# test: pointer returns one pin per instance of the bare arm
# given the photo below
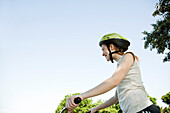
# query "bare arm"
(107, 85)
(113, 81)
(108, 103)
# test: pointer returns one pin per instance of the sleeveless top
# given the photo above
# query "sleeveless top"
(131, 92)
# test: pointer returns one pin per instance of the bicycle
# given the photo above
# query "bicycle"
(76, 101)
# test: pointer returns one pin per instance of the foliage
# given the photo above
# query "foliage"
(166, 98)
(153, 100)
(159, 38)
(162, 8)
(87, 104)
(165, 110)
(82, 108)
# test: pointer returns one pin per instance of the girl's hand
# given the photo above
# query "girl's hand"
(93, 110)
(70, 105)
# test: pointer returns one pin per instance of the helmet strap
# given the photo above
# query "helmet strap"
(110, 53)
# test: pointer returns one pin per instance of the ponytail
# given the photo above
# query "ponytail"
(137, 58)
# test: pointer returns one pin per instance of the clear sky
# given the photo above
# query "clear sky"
(49, 48)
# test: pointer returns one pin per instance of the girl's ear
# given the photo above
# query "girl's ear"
(112, 47)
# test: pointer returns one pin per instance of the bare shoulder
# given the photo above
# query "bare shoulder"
(129, 58)
(129, 55)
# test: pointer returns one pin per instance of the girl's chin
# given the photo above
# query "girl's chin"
(108, 60)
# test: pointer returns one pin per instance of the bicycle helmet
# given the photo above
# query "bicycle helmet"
(117, 40)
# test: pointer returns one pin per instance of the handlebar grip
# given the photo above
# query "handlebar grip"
(77, 100)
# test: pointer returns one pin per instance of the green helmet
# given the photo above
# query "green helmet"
(116, 39)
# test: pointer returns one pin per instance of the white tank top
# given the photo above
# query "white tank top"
(131, 92)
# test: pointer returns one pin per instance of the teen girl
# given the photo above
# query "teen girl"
(130, 91)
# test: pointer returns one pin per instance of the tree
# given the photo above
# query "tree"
(159, 38)
(83, 106)
(166, 98)
(87, 104)
(153, 100)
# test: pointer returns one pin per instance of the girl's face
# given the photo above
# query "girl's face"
(105, 52)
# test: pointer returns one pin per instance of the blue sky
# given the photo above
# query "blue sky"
(50, 49)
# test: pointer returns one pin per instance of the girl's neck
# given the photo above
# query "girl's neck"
(117, 57)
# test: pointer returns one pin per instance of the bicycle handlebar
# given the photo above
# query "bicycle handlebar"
(76, 101)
